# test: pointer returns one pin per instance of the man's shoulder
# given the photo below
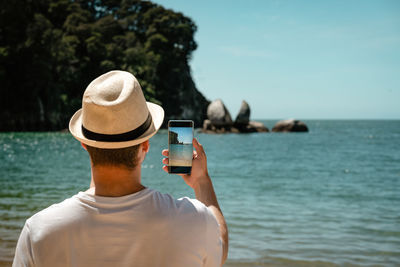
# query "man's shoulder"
(180, 204)
(52, 215)
(184, 209)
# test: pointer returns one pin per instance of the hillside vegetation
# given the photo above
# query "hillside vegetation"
(50, 50)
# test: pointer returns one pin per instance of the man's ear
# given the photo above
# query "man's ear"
(146, 146)
(84, 146)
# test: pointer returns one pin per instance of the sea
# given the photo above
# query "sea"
(180, 154)
(329, 197)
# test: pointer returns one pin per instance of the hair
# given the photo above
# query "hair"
(126, 157)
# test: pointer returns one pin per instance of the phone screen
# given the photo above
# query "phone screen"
(180, 136)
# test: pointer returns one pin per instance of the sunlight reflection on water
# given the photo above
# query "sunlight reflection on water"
(324, 198)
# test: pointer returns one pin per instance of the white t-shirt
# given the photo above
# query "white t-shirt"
(147, 228)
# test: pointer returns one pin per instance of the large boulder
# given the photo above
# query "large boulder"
(290, 125)
(243, 116)
(218, 114)
(220, 121)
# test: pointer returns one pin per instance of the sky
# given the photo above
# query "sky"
(185, 134)
(298, 59)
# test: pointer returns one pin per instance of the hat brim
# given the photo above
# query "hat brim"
(157, 114)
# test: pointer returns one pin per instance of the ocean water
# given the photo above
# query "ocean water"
(330, 197)
(180, 154)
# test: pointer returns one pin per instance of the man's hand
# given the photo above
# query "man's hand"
(201, 183)
(199, 173)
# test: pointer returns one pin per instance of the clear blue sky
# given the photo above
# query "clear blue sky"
(185, 134)
(298, 59)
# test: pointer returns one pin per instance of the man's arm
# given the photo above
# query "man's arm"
(203, 188)
(205, 193)
(23, 252)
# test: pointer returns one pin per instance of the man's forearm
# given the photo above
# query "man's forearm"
(204, 192)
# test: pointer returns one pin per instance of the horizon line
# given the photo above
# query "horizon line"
(353, 119)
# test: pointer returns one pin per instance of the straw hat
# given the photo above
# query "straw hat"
(115, 114)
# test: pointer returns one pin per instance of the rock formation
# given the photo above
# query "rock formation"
(218, 114)
(243, 116)
(290, 125)
(173, 138)
(220, 121)
(255, 127)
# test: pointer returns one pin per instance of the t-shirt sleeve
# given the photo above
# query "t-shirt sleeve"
(214, 241)
(23, 252)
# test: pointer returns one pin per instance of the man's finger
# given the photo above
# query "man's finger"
(165, 152)
(165, 161)
(165, 168)
(198, 146)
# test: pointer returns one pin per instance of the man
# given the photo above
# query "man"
(118, 221)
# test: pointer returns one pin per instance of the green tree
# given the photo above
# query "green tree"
(50, 50)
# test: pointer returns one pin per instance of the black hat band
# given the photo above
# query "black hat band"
(128, 136)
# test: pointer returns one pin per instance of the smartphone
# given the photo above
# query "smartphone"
(180, 147)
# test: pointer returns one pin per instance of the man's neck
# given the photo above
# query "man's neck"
(115, 181)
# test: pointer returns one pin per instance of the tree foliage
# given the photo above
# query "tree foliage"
(50, 50)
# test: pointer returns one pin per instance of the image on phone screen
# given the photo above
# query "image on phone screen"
(180, 136)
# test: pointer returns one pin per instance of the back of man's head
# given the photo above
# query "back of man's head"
(122, 157)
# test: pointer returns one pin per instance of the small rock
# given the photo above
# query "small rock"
(253, 127)
(290, 125)
(218, 114)
(243, 116)
(207, 125)
(235, 130)
(256, 126)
